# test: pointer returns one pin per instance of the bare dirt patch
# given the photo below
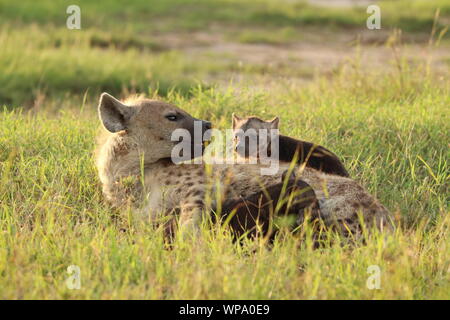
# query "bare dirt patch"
(315, 52)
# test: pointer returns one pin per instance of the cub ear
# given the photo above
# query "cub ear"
(275, 123)
(236, 119)
(113, 113)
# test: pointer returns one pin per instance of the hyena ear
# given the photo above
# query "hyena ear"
(275, 123)
(113, 113)
(236, 119)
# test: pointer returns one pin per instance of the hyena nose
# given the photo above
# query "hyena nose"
(207, 125)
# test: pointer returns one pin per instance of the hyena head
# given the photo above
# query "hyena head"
(147, 125)
(252, 134)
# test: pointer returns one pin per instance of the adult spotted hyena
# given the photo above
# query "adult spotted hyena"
(342, 201)
(134, 163)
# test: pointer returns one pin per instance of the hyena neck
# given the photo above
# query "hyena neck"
(118, 159)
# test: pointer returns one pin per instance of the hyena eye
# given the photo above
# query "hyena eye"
(171, 117)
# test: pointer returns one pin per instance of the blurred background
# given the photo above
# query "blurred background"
(175, 45)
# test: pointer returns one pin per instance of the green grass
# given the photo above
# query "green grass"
(390, 126)
(55, 61)
(53, 214)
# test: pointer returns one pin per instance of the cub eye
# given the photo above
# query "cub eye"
(172, 117)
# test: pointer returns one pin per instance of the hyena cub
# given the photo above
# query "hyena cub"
(312, 155)
(342, 201)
